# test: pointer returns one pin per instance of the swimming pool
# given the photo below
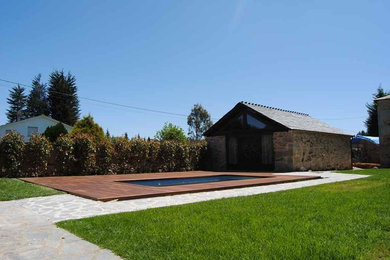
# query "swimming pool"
(190, 180)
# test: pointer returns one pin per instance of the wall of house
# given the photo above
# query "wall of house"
(384, 131)
(320, 151)
(283, 151)
(302, 151)
(21, 127)
(216, 148)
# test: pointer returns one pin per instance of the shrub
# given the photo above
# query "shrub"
(104, 156)
(138, 155)
(88, 126)
(121, 155)
(153, 161)
(64, 156)
(55, 131)
(11, 154)
(36, 156)
(84, 151)
(167, 156)
(171, 132)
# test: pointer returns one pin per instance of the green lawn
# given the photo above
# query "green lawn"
(13, 189)
(348, 220)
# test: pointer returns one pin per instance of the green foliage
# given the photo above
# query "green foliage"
(37, 103)
(372, 120)
(171, 132)
(62, 97)
(55, 131)
(84, 151)
(104, 156)
(36, 156)
(81, 154)
(343, 220)
(64, 156)
(17, 102)
(11, 154)
(199, 121)
(88, 126)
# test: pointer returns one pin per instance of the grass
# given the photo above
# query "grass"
(13, 189)
(346, 220)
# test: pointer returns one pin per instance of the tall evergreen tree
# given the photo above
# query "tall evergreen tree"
(37, 103)
(199, 121)
(62, 97)
(372, 120)
(17, 102)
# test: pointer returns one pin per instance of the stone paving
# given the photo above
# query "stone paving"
(27, 229)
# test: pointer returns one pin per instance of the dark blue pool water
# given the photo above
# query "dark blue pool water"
(183, 181)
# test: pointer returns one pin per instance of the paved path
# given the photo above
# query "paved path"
(27, 230)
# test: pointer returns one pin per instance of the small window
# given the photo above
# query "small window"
(255, 123)
(32, 130)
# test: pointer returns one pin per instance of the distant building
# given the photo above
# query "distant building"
(31, 126)
(258, 138)
(383, 105)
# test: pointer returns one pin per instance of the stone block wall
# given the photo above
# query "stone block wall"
(216, 147)
(283, 151)
(384, 131)
(302, 151)
(320, 151)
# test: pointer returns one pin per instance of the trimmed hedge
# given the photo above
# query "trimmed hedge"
(82, 155)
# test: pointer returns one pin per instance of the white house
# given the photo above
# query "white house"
(31, 126)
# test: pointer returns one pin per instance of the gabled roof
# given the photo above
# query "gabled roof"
(383, 98)
(36, 117)
(290, 119)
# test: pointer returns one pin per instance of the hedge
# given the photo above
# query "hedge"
(83, 155)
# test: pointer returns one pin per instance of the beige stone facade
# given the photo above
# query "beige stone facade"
(295, 151)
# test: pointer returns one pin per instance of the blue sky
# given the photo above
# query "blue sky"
(325, 58)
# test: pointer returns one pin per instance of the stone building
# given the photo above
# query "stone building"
(383, 105)
(258, 138)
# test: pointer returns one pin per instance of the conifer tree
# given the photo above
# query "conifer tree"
(372, 120)
(37, 103)
(17, 102)
(62, 97)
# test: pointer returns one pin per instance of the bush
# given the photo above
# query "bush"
(55, 131)
(138, 155)
(88, 126)
(104, 156)
(84, 151)
(11, 154)
(64, 156)
(36, 156)
(171, 132)
(121, 155)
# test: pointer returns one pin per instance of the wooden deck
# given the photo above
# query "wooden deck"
(112, 187)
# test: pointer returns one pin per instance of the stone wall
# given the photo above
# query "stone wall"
(283, 151)
(384, 131)
(320, 151)
(216, 147)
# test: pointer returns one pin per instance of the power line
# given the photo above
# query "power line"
(104, 102)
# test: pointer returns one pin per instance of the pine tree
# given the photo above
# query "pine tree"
(62, 97)
(372, 120)
(37, 103)
(17, 103)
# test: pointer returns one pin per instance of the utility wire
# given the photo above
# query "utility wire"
(141, 108)
(104, 102)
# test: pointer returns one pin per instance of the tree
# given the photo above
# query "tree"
(88, 126)
(372, 120)
(55, 131)
(362, 132)
(37, 103)
(108, 135)
(199, 121)
(17, 103)
(62, 97)
(171, 132)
